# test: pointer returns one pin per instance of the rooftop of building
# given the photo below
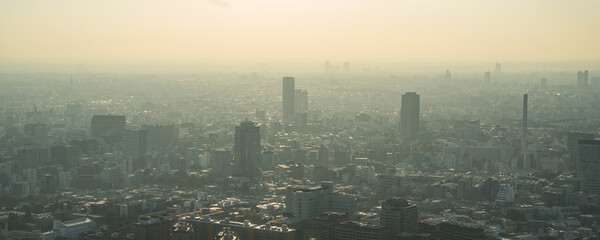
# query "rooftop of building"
(76, 222)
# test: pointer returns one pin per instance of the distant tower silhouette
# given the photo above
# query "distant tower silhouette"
(409, 115)
(448, 75)
(582, 80)
(289, 99)
(524, 138)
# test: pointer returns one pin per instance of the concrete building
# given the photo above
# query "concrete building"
(399, 216)
(588, 167)
(162, 135)
(69, 229)
(573, 139)
(136, 143)
(108, 127)
(208, 228)
(308, 202)
(355, 230)
(289, 99)
(409, 115)
(155, 226)
(247, 149)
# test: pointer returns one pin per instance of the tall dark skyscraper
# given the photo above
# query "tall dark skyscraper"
(488, 77)
(289, 99)
(247, 149)
(498, 68)
(409, 115)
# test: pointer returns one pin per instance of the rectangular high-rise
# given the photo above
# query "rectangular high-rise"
(247, 149)
(488, 77)
(109, 127)
(409, 115)
(573, 139)
(398, 216)
(289, 99)
(588, 166)
(136, 143)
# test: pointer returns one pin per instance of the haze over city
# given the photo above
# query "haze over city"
(289, 119)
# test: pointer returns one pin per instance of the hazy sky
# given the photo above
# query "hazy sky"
(405, 30)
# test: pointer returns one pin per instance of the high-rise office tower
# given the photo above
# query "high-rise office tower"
(398, 216)
(31, 156)
(498, 68)
(524, 136)
(409, 115)
(488, 77)
(136, 143)
(289, 99)
(109, 127)
(247, 149)
(588, 167)
(582, 79)
(573, 139)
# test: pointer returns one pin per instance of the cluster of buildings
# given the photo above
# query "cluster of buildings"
(260, 159)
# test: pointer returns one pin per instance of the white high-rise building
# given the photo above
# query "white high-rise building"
(308, 202)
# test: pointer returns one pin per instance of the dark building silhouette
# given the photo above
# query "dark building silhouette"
(156, 226)
(247, 149)
(289, 99)
(399, 216)
(162, 136)
(135, 143)
(355, 230)
(573, 139)
(108, 127)
(588, 166)
(526, 161)
(409, 115)
(219, 159)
